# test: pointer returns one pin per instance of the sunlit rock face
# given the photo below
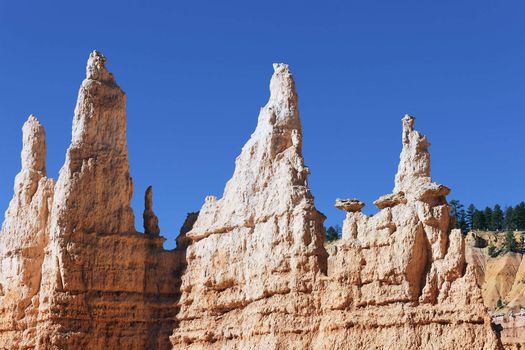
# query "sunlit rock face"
(250, 271)
(23, 239)
(259, 278)
(74, 272)
(257, 253)
(398, 279)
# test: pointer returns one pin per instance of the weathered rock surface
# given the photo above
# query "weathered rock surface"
(151, 222)
(257, 253)
(25, 234)
(250, 271)
(75, 274)
(257, 280)
(349, 205)
(502, 282)
(398, 279)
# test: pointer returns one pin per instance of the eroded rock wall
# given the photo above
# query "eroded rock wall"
(25, 234)
(75, 274)
(251, 270)
(399, 279)
(258, 276)
(257, 253)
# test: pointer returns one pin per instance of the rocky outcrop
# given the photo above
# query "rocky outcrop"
(257, 253)
(23, 239)
(75, 273)
(250, 270)
(398, 279)
(258, 277)
(512, 327)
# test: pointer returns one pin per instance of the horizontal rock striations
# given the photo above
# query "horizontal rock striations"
(250, 270)
(398, 279)
(258, 277)
(75, 274)
(257, 253)
(24, 237)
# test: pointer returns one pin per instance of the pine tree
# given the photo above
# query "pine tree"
(478, 220)
(497, 218)
(510, 242)
(469, 216)
(455, 208)
(510, 222)
(462, 223)
(519, 216)
(488, 218)
(331, 234)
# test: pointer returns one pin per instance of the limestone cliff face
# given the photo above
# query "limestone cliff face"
(23, 240)
(257, 253)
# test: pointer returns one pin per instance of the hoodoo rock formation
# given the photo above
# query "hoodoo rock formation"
(258, 276)
(250, 271)
(75, 274)
(25, 235)
(257, 254)
(398, 279)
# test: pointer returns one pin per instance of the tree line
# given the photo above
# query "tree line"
(489, 219)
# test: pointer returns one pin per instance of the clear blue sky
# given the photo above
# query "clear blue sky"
(197, 72)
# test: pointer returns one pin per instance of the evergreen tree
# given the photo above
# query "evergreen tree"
(478, 220)
(331, 234)
(519, 216)
(469, 216)
(510, 242)
(488, 218)
(462, 223)
(497, 218)
(510, 222)
(455, 208)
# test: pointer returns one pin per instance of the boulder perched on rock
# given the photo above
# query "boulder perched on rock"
(349, 205)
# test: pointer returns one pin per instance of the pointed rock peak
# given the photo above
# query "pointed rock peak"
(413, 175)
(283, 96)
(96, 175)
(148, 198)
(408, 126)
(34, 145)
(151, 222)
(96, 68)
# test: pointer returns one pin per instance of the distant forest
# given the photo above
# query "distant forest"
(488, 219)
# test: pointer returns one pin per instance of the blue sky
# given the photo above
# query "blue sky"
(197, 72)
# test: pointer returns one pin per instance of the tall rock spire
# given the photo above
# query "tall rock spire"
(262, 239)
(114, 282)
(23, 239)
(151, 222)
(94, 189)
(270, 177)
(34, 146)
(413, 175)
